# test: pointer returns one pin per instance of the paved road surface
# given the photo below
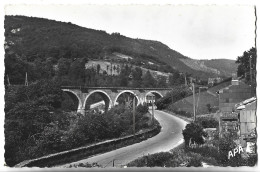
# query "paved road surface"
(169, 137)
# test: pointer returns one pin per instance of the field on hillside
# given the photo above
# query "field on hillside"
(106, 66)
(206, 97)
(198, 65)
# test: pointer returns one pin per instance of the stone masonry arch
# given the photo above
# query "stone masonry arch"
(104, 95)
(157, 94)
(127, 91)
(71, 93)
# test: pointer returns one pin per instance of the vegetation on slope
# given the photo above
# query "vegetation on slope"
(36, 44)
(225, 66)
(36, 125)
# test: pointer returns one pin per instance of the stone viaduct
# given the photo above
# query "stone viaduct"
(110, 94)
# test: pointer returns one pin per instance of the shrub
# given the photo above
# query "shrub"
(209, 107)
(206, 151)
(155, 160)
(158, 159)
(142, 108)
(207, 122)
(194, 162)
(193, 132)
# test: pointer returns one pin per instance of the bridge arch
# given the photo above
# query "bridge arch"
(74, 96)
(126, 91)
(157, 95)
(104, 95)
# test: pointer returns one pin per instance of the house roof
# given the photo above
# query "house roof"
(242, 105)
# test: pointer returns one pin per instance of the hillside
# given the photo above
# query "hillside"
(206, 97)
(225, 66)
(32, 38)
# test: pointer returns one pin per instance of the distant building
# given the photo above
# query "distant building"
(212, 81)
(150, 98)
(158, 75)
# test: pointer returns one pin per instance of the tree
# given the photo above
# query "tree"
(244, 64)
(107, 68)
(176, 79)
(114, 68)
(111, 69)
(98, 68)
(77, 70)
(137, 77)
(162, 82)
(63, 66)
(193, 133)
(28, 110)
(124, 76)
(149, 81)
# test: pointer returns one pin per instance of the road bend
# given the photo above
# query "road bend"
(169, 137)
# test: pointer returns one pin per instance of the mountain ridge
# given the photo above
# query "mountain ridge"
(40, 38)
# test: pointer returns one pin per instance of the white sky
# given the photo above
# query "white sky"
(199, 32)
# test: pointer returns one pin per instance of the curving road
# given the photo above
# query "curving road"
(169, 137)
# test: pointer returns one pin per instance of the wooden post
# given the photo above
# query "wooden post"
(134, 116)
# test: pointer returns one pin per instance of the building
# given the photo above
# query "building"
(212, 81)
(247, 124)
(228, 98)
(237, 114)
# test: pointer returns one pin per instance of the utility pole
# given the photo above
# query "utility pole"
(172, 95)
(26, 80)
(152, 111)
(8, 82)
(185, 79)
(194, 102)
(250, 69)
(198, 101)
(134, 116)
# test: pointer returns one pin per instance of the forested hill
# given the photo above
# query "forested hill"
(31, 38)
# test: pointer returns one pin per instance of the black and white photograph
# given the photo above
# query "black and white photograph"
(129, 85)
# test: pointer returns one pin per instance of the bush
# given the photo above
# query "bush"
(207, 122)
(193, 132)
(194, 162)
(142, 108)
(176, 158)
(155, 160)
(206, 151)
(158, 159)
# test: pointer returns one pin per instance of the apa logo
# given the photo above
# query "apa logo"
(236, 150)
